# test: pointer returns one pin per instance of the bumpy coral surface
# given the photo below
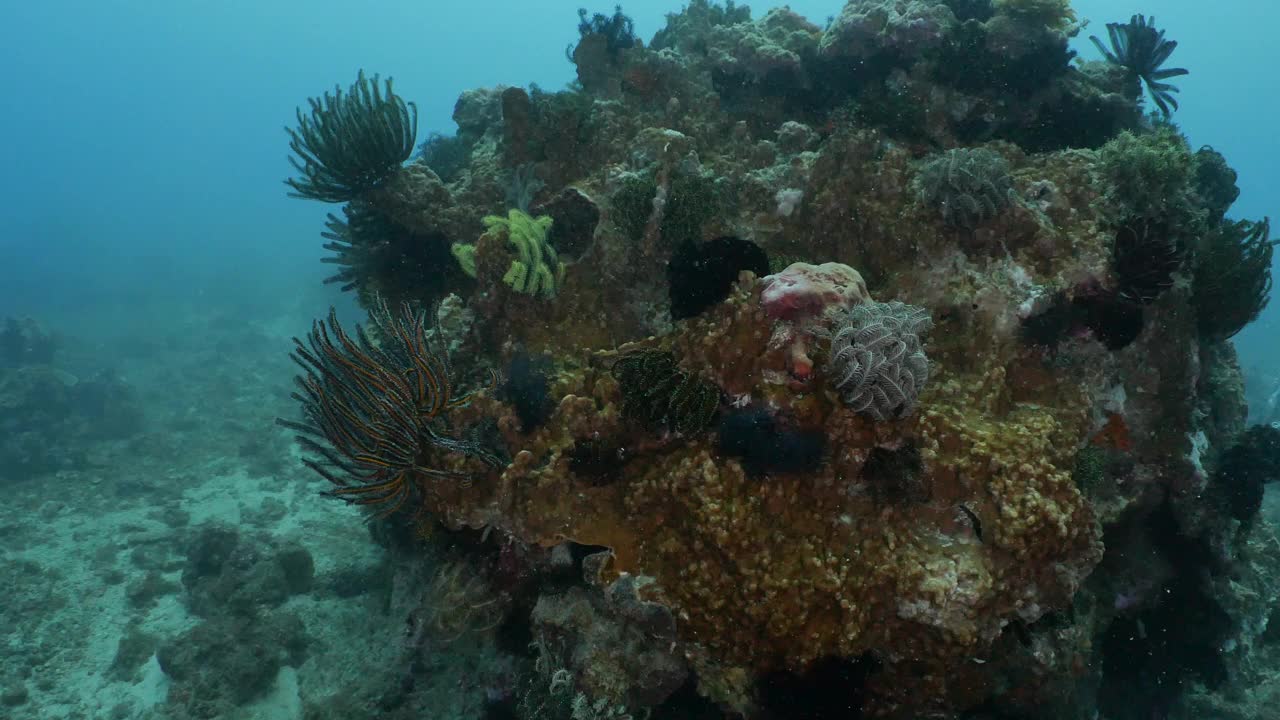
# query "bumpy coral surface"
(950, 549)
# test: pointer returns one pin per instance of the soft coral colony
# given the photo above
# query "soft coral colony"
(891, 352)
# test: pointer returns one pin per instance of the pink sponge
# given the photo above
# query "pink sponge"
(802, 298)
(803, 291)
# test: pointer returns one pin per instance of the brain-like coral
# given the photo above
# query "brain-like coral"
(868, 27)
(805, 292)
(877, 362)
(778, 41)
(967, 185)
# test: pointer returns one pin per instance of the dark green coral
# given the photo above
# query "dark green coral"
(657, 393)
(1214, 182)
(631, 205)
(692, 200)
(376, 256)
(1150, 173)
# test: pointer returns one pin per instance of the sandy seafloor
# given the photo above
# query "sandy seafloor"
(94, 556)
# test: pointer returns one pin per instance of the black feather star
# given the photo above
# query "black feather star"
(1140, 47)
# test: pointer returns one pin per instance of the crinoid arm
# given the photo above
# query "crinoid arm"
(371, 409)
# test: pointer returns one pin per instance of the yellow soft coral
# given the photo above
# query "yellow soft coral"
(536, 269)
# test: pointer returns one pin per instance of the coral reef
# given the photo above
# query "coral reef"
(446, 155)
(866, 28)
(966, 499)
(52, 420)
(24, 342)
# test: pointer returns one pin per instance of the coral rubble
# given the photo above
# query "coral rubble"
(939, 516)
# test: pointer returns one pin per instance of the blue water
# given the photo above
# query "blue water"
(144, 145)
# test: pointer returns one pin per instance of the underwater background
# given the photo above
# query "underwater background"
(164, 552)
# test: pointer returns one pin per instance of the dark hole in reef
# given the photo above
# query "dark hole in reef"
(500, 709)
(980, 10)
(832, 689)
(1113, 320)
(701, 275)
(1145, 256)
(598, 460)
(1239, 483)
(514, 635)
(686, 704)
(575, 217)
(528, 389)
(1147, 658)
(1271, 635)
(895, 475)
(765, 444)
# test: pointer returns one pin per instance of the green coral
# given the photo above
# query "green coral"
(688, 29)
(632, 204)
(1150, 173)
(352, 142)
(1090, 468)
(692, 200)
(657, 393)
(536, 269)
